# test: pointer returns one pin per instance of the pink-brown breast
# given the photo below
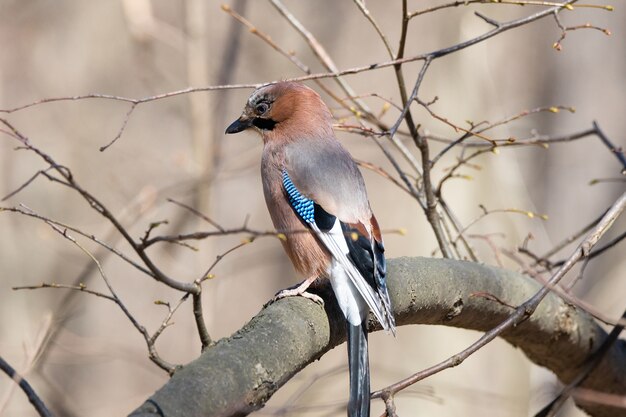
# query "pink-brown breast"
(305, 251)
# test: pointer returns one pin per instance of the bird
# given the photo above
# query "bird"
(311, 182)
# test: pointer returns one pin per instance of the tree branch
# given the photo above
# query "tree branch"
(34, 399)
(240, 373)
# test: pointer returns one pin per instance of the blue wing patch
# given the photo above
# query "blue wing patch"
(302, 205)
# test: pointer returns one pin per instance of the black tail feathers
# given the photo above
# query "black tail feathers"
(359, 403)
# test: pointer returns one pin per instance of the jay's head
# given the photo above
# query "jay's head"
(284, 110)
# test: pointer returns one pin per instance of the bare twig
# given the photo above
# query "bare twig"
(197, 213)
(384, 174)
(522, 312)
(488, 20)
(122, 128)
(492, 297)
(319, 51)
(142, 330)
(466, 137)
(510, 2)
(596, 252)
(24, 185)
(205, 338)
(224, 232)
(363, 8)
(543, 141)
(80, 288)
(431, 204)
(563, 292)
(30, 213)
(617, 152)
(68, 180)
(207, 274)
(558, 44)
(409, 100)
(135, 101)
(267, 39)
(456, 224)
(34, 399)
(487, 212)
(167, 320)
(555, 405)
(329, 64)
(494, 248)
(468, 133)
(390, 406)
(334, 72)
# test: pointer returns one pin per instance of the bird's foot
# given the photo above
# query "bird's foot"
(295, 292)
(300, 290)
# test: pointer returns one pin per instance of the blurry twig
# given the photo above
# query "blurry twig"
(363, 8)
(555, 405)
(456, 224)
(33, 351)
(34, 399)
(197, 213)
(598, 251)
(488, 238)
(486, 212)
(617, 152)
(592, 254)
(383, 173)
(143, 24)
(585, 395)
(267, 39)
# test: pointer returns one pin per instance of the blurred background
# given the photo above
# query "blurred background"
(81, 353)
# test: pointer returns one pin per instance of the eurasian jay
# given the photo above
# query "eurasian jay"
(311, 182)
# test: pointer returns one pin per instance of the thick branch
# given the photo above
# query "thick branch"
(240, 373)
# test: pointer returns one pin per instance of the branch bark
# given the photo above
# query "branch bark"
(240, 373)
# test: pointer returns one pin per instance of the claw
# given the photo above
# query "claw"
(300, 290)
(297, 292)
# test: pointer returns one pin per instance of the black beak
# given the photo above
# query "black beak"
(239, 125)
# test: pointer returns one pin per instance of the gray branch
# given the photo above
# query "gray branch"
(240, 373)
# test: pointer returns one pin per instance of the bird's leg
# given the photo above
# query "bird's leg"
(301, 290)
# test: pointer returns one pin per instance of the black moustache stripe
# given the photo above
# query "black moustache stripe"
(264, 124)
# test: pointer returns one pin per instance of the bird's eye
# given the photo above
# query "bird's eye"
(262, 107)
